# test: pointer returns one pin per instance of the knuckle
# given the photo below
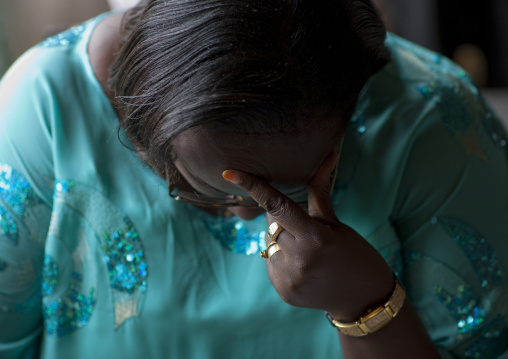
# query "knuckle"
(277, 206)
(293, 287)
(290, 301)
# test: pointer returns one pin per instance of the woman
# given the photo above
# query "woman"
(241, 107)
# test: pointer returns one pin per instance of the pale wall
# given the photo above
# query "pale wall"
(27, 22)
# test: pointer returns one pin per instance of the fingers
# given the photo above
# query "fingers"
(320, 200)
(282, 209)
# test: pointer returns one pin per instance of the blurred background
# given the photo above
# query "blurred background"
(473, 33)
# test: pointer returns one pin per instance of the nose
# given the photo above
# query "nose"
(245, 212)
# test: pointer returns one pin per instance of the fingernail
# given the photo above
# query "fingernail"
(231, 177)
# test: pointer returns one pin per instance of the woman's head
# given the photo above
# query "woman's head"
(238, 67)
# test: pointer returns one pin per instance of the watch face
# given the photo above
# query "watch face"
(377, 320)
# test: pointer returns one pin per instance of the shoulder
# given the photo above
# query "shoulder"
(48, 95)
(417, 91)
(419, 122)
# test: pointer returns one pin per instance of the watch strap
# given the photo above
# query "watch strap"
(374, 319)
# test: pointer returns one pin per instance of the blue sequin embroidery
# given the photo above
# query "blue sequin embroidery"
(243, 237)
(15, 190)
(30, 305)
(122, 247)
(481, 255)
(492, 342)
(8, 226)
(64, 185)
(358, 124)
(65, 38)
(71, 311)
(123, 255)
(49, 276)
(463, 305)
(453, 103)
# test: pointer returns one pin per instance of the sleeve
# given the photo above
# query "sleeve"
(25, 204)
(451, 215)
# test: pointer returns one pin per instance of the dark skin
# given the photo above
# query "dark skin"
(322, 263)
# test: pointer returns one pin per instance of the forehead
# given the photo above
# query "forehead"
(284, 161)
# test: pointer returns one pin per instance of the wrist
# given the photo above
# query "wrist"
(374, 318)
(366, 297)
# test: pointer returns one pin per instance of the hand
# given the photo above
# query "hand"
(323, 263)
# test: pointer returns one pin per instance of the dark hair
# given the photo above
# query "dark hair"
(246, 66)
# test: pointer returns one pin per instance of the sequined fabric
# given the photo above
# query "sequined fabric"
(66, 38)
(29, 306)
(49, 276)
(463, 305)
(453, 102)
(118, 244)
(196, 288)
(459, 106)
(123, 255)
(482, 256)
(359, 125)
(469, 311)
(71, 311)
(238, 236)
(15, 191)
(63, 185)
(8, 226)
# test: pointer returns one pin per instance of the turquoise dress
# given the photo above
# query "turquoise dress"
(96, 260)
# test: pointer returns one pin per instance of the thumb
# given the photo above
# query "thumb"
(320, 188)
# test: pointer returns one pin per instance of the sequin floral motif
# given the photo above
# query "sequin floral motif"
(464, 306)
(243, 237)
(8, 226)
(124, 257)
(482, 256)
(459, 106)
(484, 336)
(49, 276)
(70, 311)
(16, 192)
(118, 240)
(454, 101)
(65, 38)
(467, 308)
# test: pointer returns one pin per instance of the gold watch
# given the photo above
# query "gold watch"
(374, 319)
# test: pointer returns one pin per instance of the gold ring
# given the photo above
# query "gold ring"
(272, 248)
(274, 230)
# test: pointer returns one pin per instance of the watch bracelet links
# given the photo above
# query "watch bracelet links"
(374, 319)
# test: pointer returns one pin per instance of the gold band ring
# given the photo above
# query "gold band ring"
(274, 230)
(272, 248)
